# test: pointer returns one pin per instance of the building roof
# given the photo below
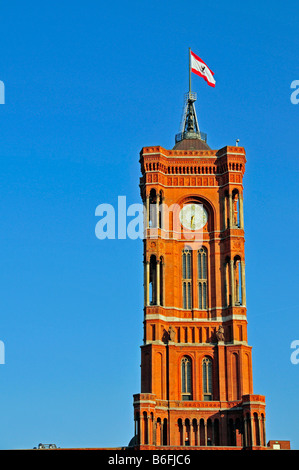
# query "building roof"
(191, 144)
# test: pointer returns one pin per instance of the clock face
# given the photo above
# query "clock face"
(193, 216)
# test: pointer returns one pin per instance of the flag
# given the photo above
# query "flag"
(200, 68)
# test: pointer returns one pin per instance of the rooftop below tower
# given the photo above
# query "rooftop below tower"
(191, 141)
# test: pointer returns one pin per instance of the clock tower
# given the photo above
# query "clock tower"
(196, 364)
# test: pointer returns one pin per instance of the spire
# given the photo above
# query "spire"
(190, 123)
(189, 131)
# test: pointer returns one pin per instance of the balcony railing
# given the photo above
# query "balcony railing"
(190, 135)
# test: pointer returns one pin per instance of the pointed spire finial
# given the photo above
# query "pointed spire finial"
(189, 124)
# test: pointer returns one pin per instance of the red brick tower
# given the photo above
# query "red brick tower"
(196, 369)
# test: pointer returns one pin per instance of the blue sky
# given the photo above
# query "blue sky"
(87, 85)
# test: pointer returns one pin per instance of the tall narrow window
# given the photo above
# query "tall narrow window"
(202, 278)
(227, 286)
(235, 377)
(207, 379)
(238, 281)
(236, 208)
(187, 279)
(160, 215)
(153, 281)
(186, 367)
(161, 281)
(153, 201)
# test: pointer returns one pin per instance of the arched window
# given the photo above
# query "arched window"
(235, 377)
(207, 379)
(161, 280)
(226, 211)
(155, 218)
(202, 278)
(237, 281)
(160, 215)
(186, 370)
(227, 283)
(187, 279)
(236, 208)
(153, 281)
(164, 433)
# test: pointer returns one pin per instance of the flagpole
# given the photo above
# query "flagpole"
(189, 70)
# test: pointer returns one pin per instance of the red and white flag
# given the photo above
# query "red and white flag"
(200, 68)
